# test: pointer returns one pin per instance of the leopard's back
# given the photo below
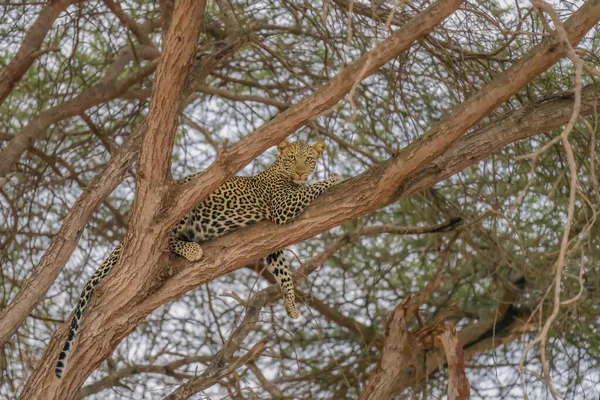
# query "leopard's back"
(238, 202)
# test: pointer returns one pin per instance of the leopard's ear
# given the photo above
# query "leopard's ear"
(283, 147)
(318, 148)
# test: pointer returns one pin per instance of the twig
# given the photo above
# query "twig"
(195, 385)
(561, 261)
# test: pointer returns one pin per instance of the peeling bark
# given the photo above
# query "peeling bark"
(458, 384)
(401, 350)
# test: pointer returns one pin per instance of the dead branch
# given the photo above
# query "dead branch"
(400, 351)
(458, 385)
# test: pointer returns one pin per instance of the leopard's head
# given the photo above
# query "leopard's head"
(298, 160)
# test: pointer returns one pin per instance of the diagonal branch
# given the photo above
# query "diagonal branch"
(29, 50)
(61, 248)
(438, 139)
(388, 181)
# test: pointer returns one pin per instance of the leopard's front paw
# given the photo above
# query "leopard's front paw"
(193, 252)
(189, 250)
(335, 179)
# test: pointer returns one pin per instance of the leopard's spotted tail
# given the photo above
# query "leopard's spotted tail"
(82, 306)
(62, 358)
(279, 267)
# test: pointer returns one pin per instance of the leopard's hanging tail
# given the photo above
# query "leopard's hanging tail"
(82, 306)
(279, 267)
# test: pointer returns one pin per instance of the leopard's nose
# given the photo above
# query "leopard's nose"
(300, 167)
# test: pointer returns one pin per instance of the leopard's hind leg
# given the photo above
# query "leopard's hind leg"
(279, 267)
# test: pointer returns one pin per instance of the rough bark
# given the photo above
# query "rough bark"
(458, 385)
(64, 242)
(373, 189)
(536, 118)
(184, 197)
(400, 350)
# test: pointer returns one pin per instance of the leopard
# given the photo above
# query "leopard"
(278, 194)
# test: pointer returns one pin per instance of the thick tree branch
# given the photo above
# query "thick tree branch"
(401, 349)
(480, 144)
(65, 240)
(153, 172)
(279, 128)
(380, 185)
(171, 74)
(438, 139)
(536, 118)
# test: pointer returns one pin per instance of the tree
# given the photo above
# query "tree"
(433, 110)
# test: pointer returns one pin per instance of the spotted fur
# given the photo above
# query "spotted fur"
(278, 194)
